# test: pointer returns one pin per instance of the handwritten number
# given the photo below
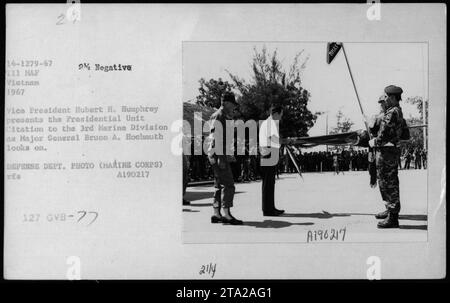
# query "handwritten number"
(345, 231)
(95, 218)
(326, 234)
(84, 214)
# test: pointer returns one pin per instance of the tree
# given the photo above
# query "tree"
(270, 84)
(419, 102)
(211, 92)
(343, 124)
(417, 134)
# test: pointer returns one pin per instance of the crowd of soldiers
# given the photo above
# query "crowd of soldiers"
(246, 167)
(417, 156)
(346, 160)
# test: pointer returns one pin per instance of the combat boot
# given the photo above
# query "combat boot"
(390, 222)
(382, 215)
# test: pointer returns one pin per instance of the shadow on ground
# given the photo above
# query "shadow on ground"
(327, 215)
(420, 227)
(413, 217)
(322, 215)
(187, 210)
(273, 224)
(201, 195)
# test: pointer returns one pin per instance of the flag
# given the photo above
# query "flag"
(333, 49)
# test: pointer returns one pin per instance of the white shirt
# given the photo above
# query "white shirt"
(269, 135)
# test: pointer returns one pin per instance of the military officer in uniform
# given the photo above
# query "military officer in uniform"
(217, 155)
(387, 151)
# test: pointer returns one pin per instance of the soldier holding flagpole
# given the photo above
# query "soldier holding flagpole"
(383, 145)
(387, 154)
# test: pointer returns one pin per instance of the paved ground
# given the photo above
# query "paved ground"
(319, 207)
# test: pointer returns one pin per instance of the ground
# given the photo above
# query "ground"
(318, 207)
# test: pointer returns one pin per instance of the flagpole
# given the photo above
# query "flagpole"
(356, 91)
(371, 154)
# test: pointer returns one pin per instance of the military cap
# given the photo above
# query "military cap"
(229, 97)
(393, 90)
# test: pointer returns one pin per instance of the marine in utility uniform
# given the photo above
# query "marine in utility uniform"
(219, 159)
(387, 154)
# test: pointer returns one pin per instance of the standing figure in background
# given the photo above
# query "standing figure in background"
(413, 158)
(359, 160)
(424, 158)
(336, 164)
(342, 161)
(418, 159)
(408, 157)
(245, 168)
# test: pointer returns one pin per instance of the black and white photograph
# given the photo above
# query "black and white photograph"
(225, 142)
(350, 139)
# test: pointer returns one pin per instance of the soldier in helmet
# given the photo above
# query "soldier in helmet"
(385, 143)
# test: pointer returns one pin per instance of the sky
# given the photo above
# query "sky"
(374, 66)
